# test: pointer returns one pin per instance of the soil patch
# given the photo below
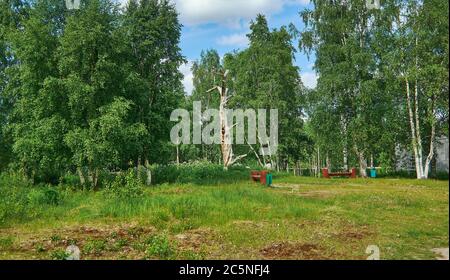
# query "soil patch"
(289, 250)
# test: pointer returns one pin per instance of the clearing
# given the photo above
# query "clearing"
(300, 218)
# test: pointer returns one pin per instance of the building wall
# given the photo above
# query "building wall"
(405, 159)
(442, 157)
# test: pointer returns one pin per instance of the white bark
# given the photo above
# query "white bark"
(413, 131)
(432, 138)
(345, 151)
(148, 181)
(362, 162)
(418, 134)
(81, 175)
(225, 129)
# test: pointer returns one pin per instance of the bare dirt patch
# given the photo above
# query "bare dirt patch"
(289, 250)
(442, 254)
(354, 233)
(94, 241)
(195, 239)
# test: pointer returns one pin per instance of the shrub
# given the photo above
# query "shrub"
(94, 247)
(127, 185)
(59, 255)
(159, 246)
(13, 199)
(44, 196)
(197, 173)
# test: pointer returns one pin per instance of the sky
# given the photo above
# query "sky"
(223, 25)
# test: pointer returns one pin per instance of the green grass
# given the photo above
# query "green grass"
(302, 218)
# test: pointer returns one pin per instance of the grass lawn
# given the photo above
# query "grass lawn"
(300, 218)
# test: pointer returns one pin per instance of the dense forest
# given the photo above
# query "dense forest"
(91, 90)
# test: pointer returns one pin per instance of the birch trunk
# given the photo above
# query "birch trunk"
(148, 180)
(362, 165)
(418, 134)
(432, 138)
(413, 130)
(81, 175)
(362, 162)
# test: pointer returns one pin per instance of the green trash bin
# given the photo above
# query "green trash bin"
(373, 173)
(269, 179)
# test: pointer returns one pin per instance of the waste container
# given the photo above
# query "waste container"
(263, 178)
(373, 173)
(269, 179)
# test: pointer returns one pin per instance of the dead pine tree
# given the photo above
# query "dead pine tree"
(226, 140)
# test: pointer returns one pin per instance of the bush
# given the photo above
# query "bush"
(159, 246)
(441, 175)
(127, 185)
(59, 255)
(13, 198)
(44, 196)
(20, 201)
(197, 173)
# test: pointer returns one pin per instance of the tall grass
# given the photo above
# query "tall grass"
(197, 173)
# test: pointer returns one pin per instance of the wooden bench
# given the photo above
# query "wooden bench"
(327, 174)
(259, 176)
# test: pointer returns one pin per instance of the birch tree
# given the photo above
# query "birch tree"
(424, 52)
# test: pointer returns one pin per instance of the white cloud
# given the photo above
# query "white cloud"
(309, 79)
(195, 12)
(188, 80)
(238, 40)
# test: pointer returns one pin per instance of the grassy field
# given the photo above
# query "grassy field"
(300, 218)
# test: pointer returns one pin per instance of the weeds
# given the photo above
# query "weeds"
(59, 255)
(159, 246)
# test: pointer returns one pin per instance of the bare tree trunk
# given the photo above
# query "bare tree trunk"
(225, 129)
(257, 156)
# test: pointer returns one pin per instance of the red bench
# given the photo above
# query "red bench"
(327, 174)
(259, 176)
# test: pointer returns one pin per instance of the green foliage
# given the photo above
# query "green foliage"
(95, 247)
(59, 255)
(160, 246)
(44, 196)
(6, 243)
(264, 77)
(363, 58)
(128, 185)
(83, 89)
(13, 199)
(197, 173)
(19, 201)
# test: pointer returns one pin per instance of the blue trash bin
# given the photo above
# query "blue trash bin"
(373, 173)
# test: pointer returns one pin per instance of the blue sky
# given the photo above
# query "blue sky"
(223, 24)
